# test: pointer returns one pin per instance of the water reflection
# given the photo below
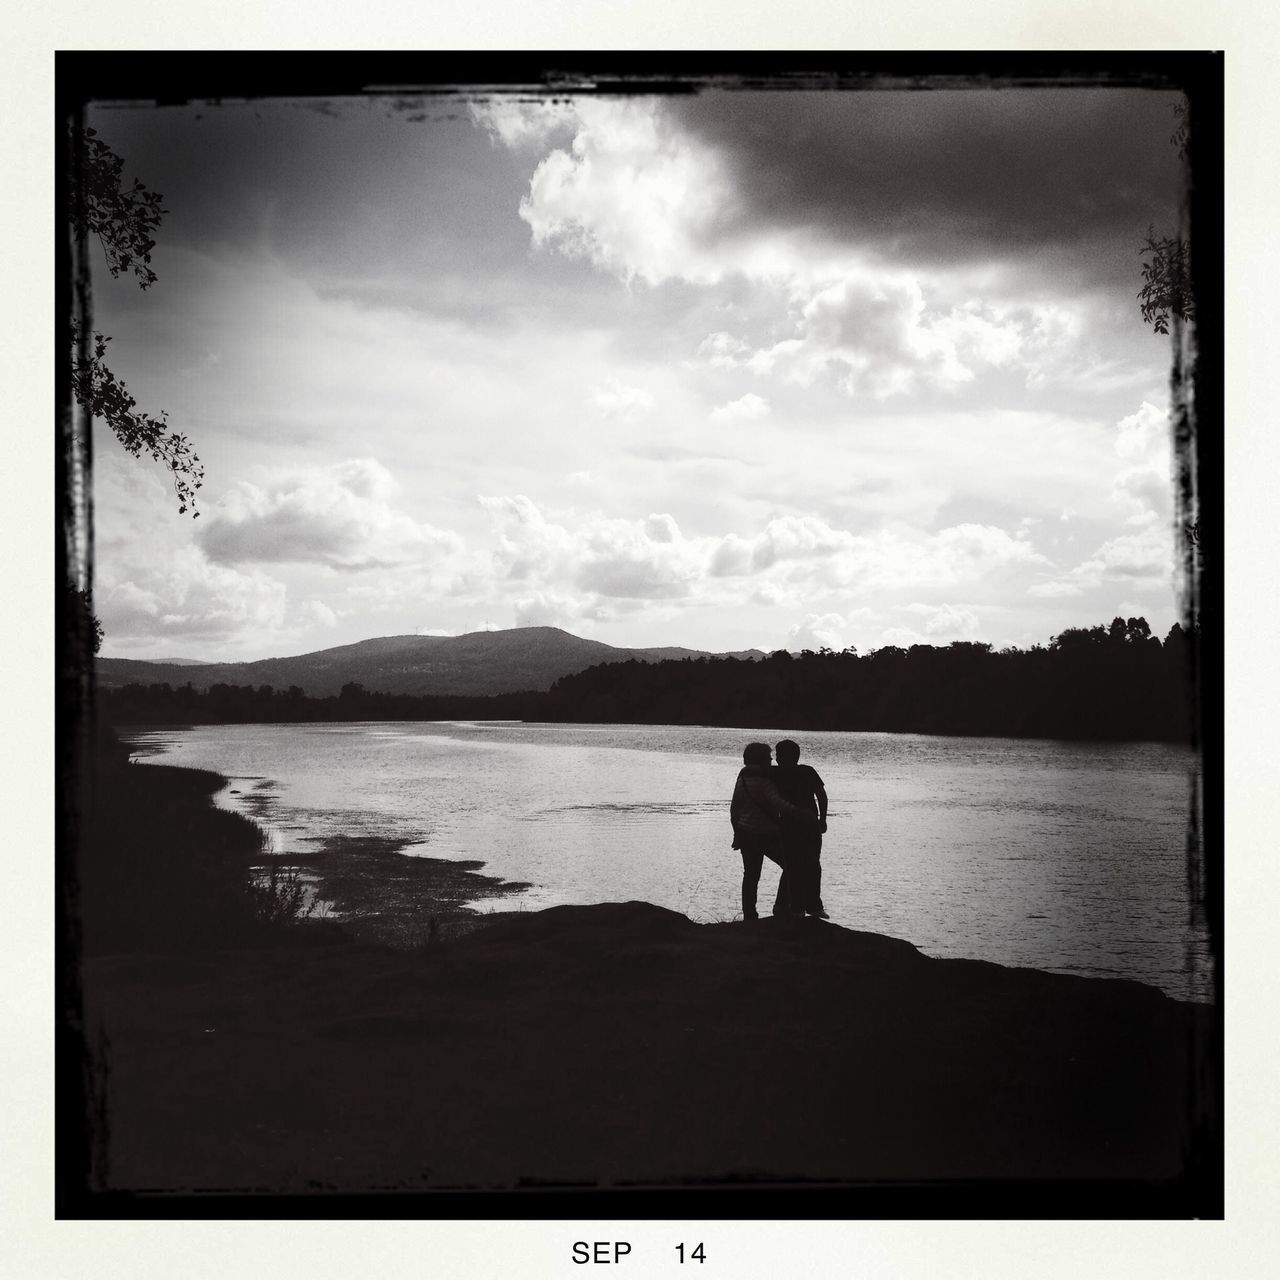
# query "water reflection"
(1061, 856)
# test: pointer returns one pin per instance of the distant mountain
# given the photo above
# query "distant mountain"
(482, 662)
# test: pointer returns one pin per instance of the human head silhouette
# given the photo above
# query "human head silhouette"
(788, 752)
(756, 753)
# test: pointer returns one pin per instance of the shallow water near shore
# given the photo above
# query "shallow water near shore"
(1070, 857)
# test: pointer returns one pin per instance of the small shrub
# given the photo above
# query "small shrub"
(278, 895)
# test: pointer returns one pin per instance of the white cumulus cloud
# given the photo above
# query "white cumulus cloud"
(818, 631)
(181, 595)
(639, 197)
(1144, 483)
(747, 408)
(632, 195)
(340, 516)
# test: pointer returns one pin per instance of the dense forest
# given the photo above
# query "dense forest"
(1117, 682)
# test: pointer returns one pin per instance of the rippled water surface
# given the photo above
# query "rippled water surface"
(1061, 856)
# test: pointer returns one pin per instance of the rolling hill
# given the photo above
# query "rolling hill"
(521, 659)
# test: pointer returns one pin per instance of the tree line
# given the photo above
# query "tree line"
(1114, 683)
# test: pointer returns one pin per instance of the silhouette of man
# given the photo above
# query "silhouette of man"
(801, 837)
(756, 813)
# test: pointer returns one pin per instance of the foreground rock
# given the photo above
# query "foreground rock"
(623, 1044)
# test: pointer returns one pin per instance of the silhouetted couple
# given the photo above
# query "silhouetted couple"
(780, 813)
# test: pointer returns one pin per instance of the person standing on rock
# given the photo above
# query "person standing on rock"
(801, 837)
(756, 813)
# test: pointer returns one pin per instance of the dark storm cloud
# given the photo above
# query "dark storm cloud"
(366, 204)
(335, 195)
(955, 175)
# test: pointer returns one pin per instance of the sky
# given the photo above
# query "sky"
(730, 370)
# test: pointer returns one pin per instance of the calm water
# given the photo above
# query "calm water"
(1062, 856)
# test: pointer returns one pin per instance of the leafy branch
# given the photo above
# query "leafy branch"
(123, 219)
(1166, 281)
(106, 397)
(1166, 275)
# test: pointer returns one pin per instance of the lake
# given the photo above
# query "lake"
(1063, 856)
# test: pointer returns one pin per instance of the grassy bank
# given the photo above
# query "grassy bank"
(160, 867)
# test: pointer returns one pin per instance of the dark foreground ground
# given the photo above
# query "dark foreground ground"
(621, 1044)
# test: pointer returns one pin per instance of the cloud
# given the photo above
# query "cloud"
(632, 195)
(873, 332)
(1055, 589)
(1143, 560)
(617, 400)
(902, 637)
(938, 626)
(647, 559)
(1145, 482)
(578, 566)
(887, 332)
(946, 620)
(732, 557)
(661, 528)
(181, 595)
(965, 550)
(799, 538)
(809, 248)
(635, 197)
(1143, 435)
(521, 123)
(660, 188)
(838, 558)
(545, 609)
(153, 585)
(339, 516)
(747, 408)
(654, 191)
(724, 351)
(315, 613)
(818, 631)
(1142, 485)
(529, 547)
(952, 174)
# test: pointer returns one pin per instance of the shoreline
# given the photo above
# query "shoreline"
(364, 875)
(404, 919)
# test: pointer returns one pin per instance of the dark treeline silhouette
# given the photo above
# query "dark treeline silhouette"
(1117, 682)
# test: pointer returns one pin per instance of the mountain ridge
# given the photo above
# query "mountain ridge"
(477, 663)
